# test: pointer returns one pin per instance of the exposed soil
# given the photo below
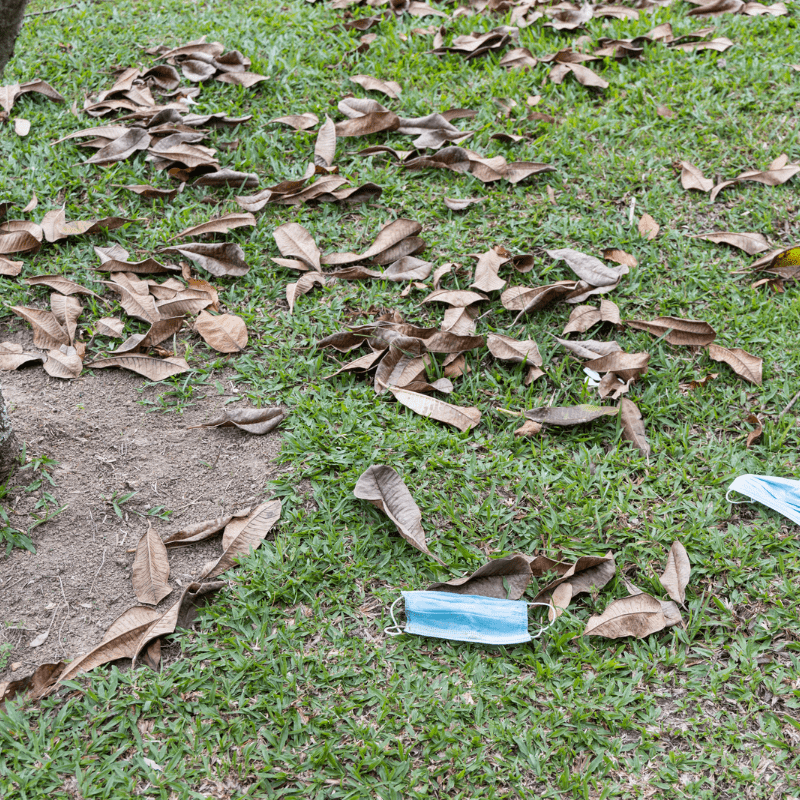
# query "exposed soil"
(105, 442)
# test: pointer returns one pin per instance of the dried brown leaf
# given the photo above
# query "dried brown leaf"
(12, 356)
(746, 366)
(459, 417)
(151, 569)
(528, 428)
(692, 178)
(59, 284)
(751, 243)
(222, 224)
(638, 615)
(566, 416)
(459, 298)
(582, 318)
(385, 489)
(620, 257)
(35, 686)
(110, 326)
(156, 369)
(648, 227)
(690, 332)
(48, 334)
(63, 363)
(507, 349)
(590, 348)
(367, 124)
(259, 524)
(677, 572)
(587, 574)
(391, 89)
(325, 146)
(222, 259)
(120, 641)
(304, 284)
(9, 268)
(486, 277)
(66, 309)
(294, 241)
(506, 578)
(300, 122)
(226, 333)
(253, 420)
(628, 366)
(633, 425)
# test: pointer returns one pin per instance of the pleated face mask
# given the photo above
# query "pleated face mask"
(465, 617)
(780, 494)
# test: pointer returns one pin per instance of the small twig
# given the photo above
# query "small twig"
(94, 526)
(62, 592)
(103, 561)
(789, 405)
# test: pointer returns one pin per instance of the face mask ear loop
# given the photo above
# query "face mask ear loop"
(734, 502)
(544, 627)
(394, 630)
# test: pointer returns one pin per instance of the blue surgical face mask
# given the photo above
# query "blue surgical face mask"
(465, 617)
(780, 494)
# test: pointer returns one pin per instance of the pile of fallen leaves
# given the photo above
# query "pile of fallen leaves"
(639, 614)
(402, 353)
(137, 632)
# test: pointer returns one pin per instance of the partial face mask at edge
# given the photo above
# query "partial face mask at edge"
(779, 494)
(465, 618)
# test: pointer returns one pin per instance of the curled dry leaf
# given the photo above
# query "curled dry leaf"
(110, 326)
(9, 268)
(47, 331)
(390, 236)
(676, 574)
(505, 578)
(633, 425)
(223, 224)
(459, 417)
(151, 569)
(304, 284)
(66, 309)
(152, 192)
(156, 369)
(141, 306)
(389, 88)
(638, 615)
(226, 333)
(528, 429)
(258, 525)
(507, 349)
(751, 243)
(120, 641)
(222, 259)
(752, 437)
(458, 298)
(590, 348)
(180, 615)
(461, 203)
(628, 366)
(253, 420)
(63, 363)
(620, 257)
(59, 284)
(566, 416)
(294, 241)
(588, 268)
(202, 530)
(692, 178)
(35, 686)
(384, 488)
(746, 366)
(582, 318)
(691, 332)
(12, 356)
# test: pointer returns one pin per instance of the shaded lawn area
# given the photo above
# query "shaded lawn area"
(289, 688)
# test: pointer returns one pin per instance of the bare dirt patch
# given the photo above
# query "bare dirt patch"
(106, 442)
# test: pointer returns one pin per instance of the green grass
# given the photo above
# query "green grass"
(290, 688)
